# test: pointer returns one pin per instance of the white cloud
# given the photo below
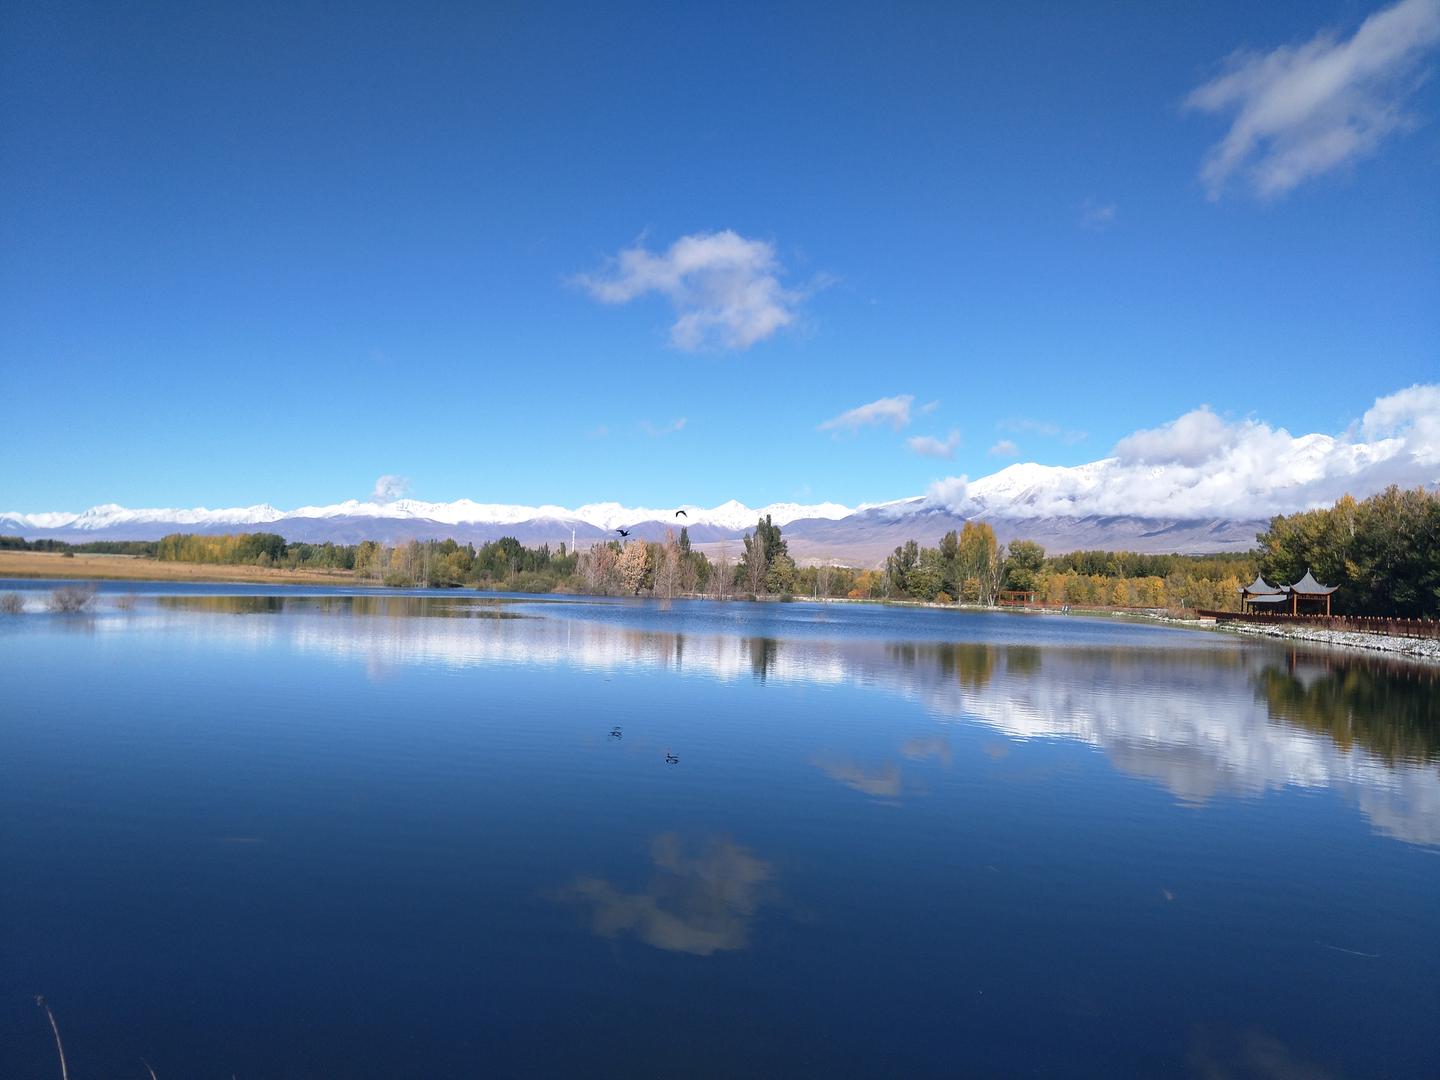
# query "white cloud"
(952, 492)
(654, 430)
(1191, 439)
(1004, 448)
(1303, 110)
(1201, 465)
(725, 289)
(388, 488)
(1096, 216)
(929, 407)
(930, 446)
(894, 411)
(1413, 413)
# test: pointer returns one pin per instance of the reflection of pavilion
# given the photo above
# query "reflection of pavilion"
(1260, 595)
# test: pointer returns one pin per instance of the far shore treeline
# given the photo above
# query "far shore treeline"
(1383, 552)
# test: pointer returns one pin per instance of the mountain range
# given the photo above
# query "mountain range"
(1047, 504)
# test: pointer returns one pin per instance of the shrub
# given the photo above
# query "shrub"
(11, 603)
(72, 599)
(943, 598)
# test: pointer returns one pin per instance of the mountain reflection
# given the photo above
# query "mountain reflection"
(1200, 716)
(698, 904)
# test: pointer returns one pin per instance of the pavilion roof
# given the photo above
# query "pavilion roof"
(1262, 587)
(1308, 586)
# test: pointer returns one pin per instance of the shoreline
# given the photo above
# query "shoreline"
(1423, 650)
(47, 565)
(94, 567)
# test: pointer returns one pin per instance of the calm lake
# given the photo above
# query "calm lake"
(450, 835)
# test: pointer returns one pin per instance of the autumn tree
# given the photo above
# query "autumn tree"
(597, 568)
(630, 567)
(722, 575)
(667, 567)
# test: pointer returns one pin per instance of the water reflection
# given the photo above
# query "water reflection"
(430, 607)
(698, 904)
(971, 663)
(1222, 1055)
(1199, 718)
(879, 783)
(1391, 710)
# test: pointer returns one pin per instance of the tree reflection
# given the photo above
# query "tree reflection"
(698, 904)
(763, 653)
(429, 607)
(1022, 659)
(971, 663)
(1391, 710)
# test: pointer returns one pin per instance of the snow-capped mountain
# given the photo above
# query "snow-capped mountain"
(1197, 485)
(730, 515)
(830, 531)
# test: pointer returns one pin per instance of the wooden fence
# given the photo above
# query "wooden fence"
(1355, 624)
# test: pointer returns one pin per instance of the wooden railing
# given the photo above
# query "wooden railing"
(1355, 624)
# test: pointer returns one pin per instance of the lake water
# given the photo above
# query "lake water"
(406, 835)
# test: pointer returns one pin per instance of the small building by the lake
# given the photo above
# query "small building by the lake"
(1260, 595)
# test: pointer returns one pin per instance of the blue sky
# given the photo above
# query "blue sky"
(258, 253)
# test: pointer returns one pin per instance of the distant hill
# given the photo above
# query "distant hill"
(855, 537)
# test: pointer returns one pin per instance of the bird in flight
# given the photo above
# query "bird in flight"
(623, 532)
(681, 513)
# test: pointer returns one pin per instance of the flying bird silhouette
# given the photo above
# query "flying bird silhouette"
(623, 532)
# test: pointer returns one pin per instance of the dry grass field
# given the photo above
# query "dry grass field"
(44, 564)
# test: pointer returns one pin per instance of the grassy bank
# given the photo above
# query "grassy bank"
(42, 564)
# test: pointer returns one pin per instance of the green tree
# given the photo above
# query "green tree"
(1023, 565)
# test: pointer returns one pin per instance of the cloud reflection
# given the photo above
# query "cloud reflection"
(881, 783)
(1216, 717)
(698, 904)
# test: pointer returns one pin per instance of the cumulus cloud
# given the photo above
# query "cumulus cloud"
(1201, 465)
(1413, 413)
(1191, 439)
(894, 411)
(725, 289)
(1004, 448)
(952, 493)
(388, 488)
(654, 430)
(1303, 110)
(930, 446)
